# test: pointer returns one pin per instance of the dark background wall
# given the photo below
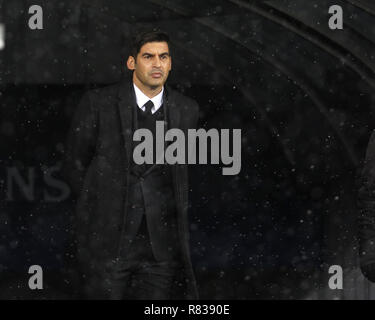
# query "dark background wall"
(302, 94)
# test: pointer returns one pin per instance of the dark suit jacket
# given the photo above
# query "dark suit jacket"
(97, 161)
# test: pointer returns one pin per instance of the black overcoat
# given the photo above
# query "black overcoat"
(97, 157)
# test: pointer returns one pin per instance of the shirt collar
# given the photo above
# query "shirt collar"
(142, 99)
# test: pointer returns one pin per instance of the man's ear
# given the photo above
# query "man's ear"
(130, 63)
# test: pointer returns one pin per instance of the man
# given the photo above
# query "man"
(132, 226)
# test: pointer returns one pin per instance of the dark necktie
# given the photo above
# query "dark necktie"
(148, 105)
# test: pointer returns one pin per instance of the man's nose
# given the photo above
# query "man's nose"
(157, 62)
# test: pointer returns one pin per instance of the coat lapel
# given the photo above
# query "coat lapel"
(173, 121)
(126, 107)
(173, 112)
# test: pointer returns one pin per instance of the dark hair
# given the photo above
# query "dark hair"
(145, 37)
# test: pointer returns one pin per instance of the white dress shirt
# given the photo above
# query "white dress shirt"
(142, 99)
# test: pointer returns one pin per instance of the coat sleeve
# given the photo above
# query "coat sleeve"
(80, 144)
(366, 211)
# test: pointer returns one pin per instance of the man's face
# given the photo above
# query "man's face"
(152, 65)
